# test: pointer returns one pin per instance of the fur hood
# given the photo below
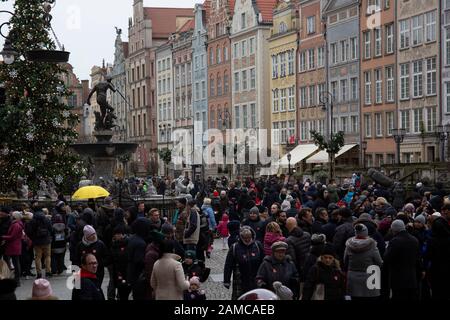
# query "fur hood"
(355, 245)
(335, 264)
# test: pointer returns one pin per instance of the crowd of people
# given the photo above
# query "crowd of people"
(317, 241)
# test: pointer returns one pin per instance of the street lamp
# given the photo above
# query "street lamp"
(326, 99)
(289, 156)
(399, 135)
(443, 132)
(364, 148)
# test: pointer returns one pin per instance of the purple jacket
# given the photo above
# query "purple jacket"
(14, 239)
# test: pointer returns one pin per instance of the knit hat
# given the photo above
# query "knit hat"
(318, 238)
(88, 231)
(328, 250)
(283, 292)
(286, 205)
(409, 207)
(381, 201)
(167, 228)
(195, 280)
(365, 216)
(332, 206)
(361, 231)
(254, 210)
(215, 193)
(189, 254)
(279, 245)
(41, 289)
(397, 226)
(420, 218)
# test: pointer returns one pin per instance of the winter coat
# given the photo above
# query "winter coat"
(299, 243)
(358, 256)
(211, 218)
(99, 250)
(257, 226)
(233, 228)
(269, 239)
(330, 276)
(311, 259)
(194, 295)
(89, 288)
(329, 230)
(291, 213)
(59, 240)
(40, 230)
(242, 262)
(180, 221)
(136, 253)
(402, 261)
(192, 229)
(8, 289)
(374, 234)
(317, 226)
(105, 214)
(343, 232)
(222, 228)
(167, 280)
(272, 270)
(119, 262)
(14, 239)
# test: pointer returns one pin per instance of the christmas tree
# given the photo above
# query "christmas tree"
(36, 125)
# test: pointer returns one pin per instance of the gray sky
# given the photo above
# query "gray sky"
(86, 27)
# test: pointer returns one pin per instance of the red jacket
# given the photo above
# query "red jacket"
(14, 239)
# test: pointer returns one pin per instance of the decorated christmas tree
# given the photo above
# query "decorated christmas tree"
(36, 124)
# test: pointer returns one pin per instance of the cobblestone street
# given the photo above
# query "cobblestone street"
(213, 286)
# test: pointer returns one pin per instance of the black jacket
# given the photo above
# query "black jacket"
(317, 226)
(136, 249)
(119, 261)
(343, 232)
(438, 253)
(332, 279)
(7, 289)
(89, 290)
(272, 270)
(299, 243)
(402, 261)
(257, 226)
(40, 230)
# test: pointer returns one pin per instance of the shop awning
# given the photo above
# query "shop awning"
(298, 154)
(322, 156)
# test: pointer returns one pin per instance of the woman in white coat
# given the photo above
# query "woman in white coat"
(168, 280)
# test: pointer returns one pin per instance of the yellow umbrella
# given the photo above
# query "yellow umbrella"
(90, 192)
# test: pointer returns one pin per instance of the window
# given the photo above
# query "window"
(320, 126)
(366, 36)
(354, 84)
(334, 124)
(344, 124)
(417, 30)
(320, 57)
(404, 81)
(405, 122)
(282, 64)
(334, 91)
(431, 76)
(311, 24)
(418, 120)
(344, 50)
(447, 97)
(274, 66)
(292, 98)
(211, 87)
(303, 97)
(244, 116)
(344, 90)
(354, 124)
(390, 38)
(197, 91)
(377, 36)
(334, 53)
(378, 86)
(378, 125)
(283, 100)
(244, 48)
(203, 89)
(291, 129)
(196, 64)
(252, 45)
(389, 122)
(417, 79)
(275, 101)
(312, 96)
(252, 78)
(219, 85)
(387, 4)
(282, 28)
(236, 117)
(304, 130)
(253, 115)
(320, 91)
(244, 80)
(275, 133)
(291, 62)
(368, 125)
(430, 26)
(404, 34)
(242, 21)
(225, 53)
(354, 48)
(311, 59)
(302, 61)
(218, 55)
(431, 119)
(367, 87)
(211, 56)
(236, 81)
(389, 75)
(235, 50)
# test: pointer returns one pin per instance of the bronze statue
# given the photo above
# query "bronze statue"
(105, 119)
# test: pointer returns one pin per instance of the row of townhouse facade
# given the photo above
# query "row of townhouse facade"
(364, 67)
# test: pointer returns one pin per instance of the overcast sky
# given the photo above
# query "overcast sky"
(86, 27)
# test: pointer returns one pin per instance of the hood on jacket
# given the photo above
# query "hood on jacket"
(233, 226)
(39, 216)
(225, 218)
(141, 227)
(251, 230)
(273, 261)
(356, 245)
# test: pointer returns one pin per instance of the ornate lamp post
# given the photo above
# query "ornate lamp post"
(399, 135)
(364, 148)
(289, 157)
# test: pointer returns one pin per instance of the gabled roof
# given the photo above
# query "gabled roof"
(189, 25)
(164, 20)
(265, 7)
(336, 4)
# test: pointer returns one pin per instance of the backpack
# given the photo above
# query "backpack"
(204, 221)
(42, 231)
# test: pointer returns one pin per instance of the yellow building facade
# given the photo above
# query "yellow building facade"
(283, 49)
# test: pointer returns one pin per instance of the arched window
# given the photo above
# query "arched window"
(211, 86)
(219, 85)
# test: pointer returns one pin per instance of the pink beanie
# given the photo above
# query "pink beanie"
(88, 231)
(195, 280)
(41, 289)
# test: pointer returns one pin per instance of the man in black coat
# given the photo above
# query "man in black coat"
(255, 222)
(402, 263)
(5, 222)
(299, 244)
(88, 287)
(321, 219)
(344, 231)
